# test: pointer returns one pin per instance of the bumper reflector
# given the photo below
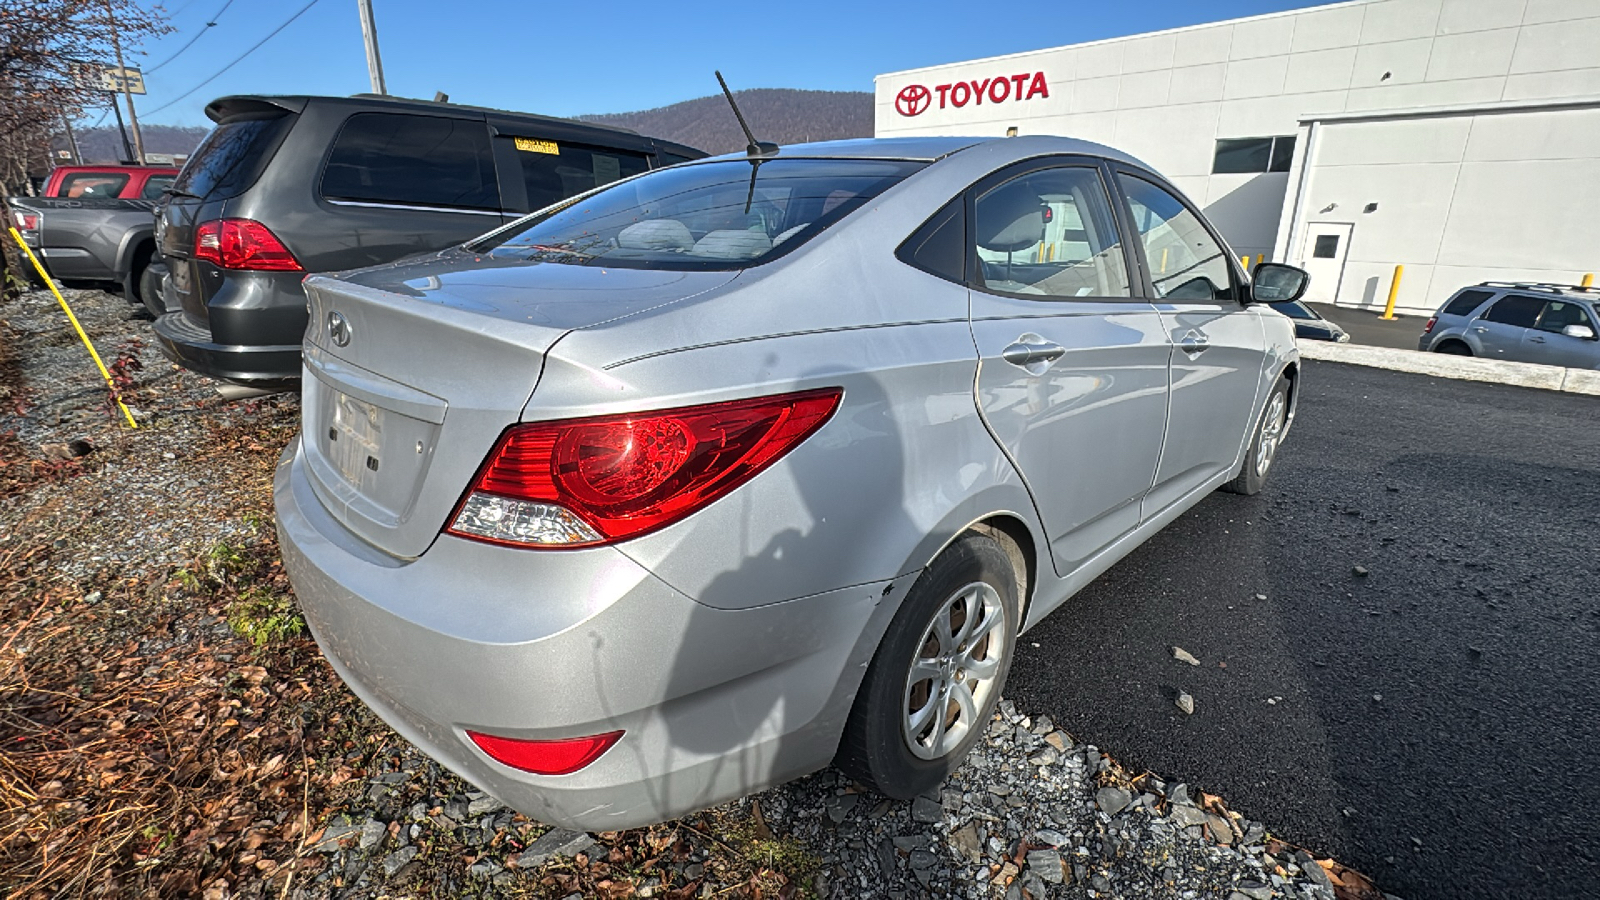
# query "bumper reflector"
(545, 757)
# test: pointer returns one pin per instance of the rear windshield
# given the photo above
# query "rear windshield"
(721, 215)
(232, 157)
(97, 185)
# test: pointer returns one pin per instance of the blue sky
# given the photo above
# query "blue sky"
(571, 58)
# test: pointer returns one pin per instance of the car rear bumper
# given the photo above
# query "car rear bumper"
(714, 704)
(191, 346)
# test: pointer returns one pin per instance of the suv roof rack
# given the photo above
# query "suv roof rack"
(1548, 287)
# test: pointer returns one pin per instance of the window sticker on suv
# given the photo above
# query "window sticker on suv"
(534, 145)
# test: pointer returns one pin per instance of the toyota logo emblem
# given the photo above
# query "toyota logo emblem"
(912, 100)
(338, 329)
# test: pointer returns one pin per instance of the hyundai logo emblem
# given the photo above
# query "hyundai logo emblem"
(338, 329)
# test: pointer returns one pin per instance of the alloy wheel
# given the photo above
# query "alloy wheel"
(1272, 425)
(953, 671)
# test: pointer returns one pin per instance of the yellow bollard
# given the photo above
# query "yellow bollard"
(115, 395)
(1588, 279)
(1394, 291)
(1163, 260)
(1244, 260)
(1258, 260)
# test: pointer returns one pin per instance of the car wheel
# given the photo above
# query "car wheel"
(934, 683)
(1264, 445)
(1453, 348)
(150, 281)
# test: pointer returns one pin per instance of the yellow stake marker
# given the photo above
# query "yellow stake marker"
(76, 327)
(1394, 292)
(1588, 279)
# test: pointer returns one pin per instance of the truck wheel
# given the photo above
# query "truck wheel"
(935, 681)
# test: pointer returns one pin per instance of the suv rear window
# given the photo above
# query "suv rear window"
(720, 215)
(555, 171)
(1464, 303)
(232, 157)
(409, 160)
(154, 186)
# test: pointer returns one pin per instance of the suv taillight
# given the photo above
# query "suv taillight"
(242, 244)
(581, 482)
(26, 221)
(1428, 328)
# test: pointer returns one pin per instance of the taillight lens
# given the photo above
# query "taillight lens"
(545, 757)
(581, 482)
(1428, 328)
(26, 221)
(242, 244)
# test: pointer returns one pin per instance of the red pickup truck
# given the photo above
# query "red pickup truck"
(109, 182)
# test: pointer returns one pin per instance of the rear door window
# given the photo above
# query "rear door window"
(1515, 310)
(1465, 303)
(406, 160)
(556, 170)
(93, 185)
(232, 157)
(1049, 233)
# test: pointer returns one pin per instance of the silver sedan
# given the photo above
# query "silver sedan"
(732, 470)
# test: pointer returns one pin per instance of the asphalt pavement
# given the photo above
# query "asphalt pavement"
(1435, 722)
(1370, 328)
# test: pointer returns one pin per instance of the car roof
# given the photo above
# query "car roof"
(932, 149)
(112, 169)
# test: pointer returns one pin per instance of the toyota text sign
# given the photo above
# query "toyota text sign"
(914, 99)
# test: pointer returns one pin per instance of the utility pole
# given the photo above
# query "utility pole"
(72, 140)
(122, 74)
(127, 151)
(369, 33)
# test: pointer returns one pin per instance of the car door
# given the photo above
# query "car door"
(1500, 330)
(1546, 343)
(1072, 377)
(1216, 346)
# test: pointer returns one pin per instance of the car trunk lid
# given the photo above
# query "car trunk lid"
(413, 371)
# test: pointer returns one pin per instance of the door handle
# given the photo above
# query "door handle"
(1194, 342)
(1031, 350)
(1480, 329)
(1535, 340)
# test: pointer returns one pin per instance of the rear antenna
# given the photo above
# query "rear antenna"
(755, 147)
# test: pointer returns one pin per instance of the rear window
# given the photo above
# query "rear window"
(232, 157)
(557, 170)
(1515, 310)
(1464, 303)
(92, 185)
(721, 215)
(408, 160)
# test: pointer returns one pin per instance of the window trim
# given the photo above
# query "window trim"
(1240, 281)
(1136, 290)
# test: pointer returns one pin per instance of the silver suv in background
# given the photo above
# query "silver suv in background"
(1552, 324)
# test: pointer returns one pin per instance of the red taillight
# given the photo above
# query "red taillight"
(545, 757)
(593, 481)
(242, 244)
(1428, 328)
(26, 221)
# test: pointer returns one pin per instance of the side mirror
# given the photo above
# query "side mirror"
(1278, 283)
(1579, 331)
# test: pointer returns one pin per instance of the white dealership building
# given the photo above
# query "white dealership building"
(1458, 138)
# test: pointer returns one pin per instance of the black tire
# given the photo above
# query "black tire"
(1271, 426)
(150, 281)
(1453, 348)
(876, 749)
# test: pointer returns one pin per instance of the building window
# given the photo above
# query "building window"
(1244, 155)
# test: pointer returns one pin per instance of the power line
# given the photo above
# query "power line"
(240, 59)
(199, 34)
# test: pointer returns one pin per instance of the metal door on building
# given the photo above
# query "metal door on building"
(1327, 245)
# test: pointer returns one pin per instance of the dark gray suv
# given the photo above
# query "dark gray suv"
(1552, 324)
(286, 186)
